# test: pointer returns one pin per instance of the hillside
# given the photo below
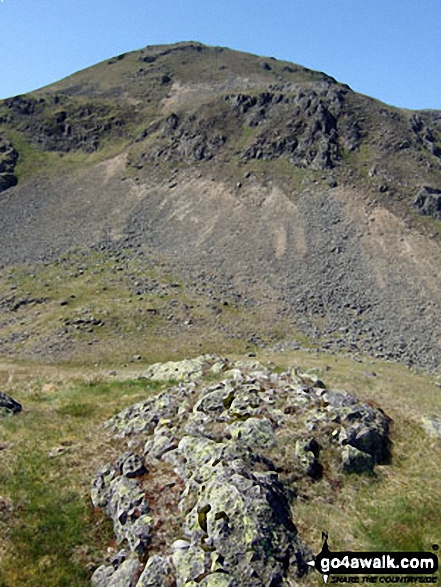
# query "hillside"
(317, 205)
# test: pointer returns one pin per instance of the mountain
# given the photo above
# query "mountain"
(231, 261)
(196, 196)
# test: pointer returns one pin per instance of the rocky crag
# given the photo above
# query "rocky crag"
(204, 492)
(8, 160)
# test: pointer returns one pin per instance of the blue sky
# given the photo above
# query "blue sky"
(388, 49)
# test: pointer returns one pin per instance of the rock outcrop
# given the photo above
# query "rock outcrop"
(428, 202)
(64, 124)
(220, 451)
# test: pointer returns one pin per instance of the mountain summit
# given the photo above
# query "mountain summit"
(269, 190)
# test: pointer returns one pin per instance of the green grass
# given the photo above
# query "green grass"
(77, 410)
(408, 499)
(33, 160)
(52, 533)
(54, 522)
(413, 525)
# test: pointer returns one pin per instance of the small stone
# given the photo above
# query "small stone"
(57, 451)
(6, 504)
(432, 425)
(181, 545)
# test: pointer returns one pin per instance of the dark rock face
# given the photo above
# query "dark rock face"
(308, 135)
(7, 180)
(71, 126)
(423, 134)
(8, 161)
(428, 202)
(309, 127)
(233, 523)
(190, 138)
(8, 405)
(356, 461)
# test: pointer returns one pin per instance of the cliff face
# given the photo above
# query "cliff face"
(279, 184)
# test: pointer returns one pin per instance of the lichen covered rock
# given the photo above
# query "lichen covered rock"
(124, 576)
(223, 450)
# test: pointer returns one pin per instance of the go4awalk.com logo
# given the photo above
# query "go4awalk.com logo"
(363, 567)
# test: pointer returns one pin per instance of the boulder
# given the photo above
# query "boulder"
(125, 504)
(8, 405)
(308, 453)
(256, 432)
(101, 492)
(362, 426)
(240, 524)
(187, 369)
(126, 575)
(219, 579)
(162, 441)
(102, 576)
(142, 418)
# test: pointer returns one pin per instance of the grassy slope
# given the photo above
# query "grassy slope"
(144, 309)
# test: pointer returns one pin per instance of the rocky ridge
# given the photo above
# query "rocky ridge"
(203, 493)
